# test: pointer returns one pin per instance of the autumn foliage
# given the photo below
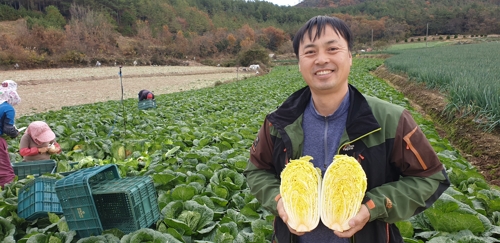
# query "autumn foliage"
(54, 33)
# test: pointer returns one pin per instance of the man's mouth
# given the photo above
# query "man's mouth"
(323, 72)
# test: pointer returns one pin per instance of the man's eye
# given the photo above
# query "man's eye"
(309, 52)
(333, 48)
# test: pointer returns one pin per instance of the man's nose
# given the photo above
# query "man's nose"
(322, 58)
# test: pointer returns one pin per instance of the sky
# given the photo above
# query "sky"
(284, 2)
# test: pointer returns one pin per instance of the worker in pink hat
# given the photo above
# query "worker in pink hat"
(8, 99)
(38, 142)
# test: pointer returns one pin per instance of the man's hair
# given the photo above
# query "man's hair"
(320, 22)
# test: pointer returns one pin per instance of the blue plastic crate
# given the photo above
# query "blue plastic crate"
(146, 104)
(35, 168)
(75, 194)
(128, 204)
(37, 198)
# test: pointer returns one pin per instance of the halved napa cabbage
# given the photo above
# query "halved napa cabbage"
(343, 189)
(300, 191)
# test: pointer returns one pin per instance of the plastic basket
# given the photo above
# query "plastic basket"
(37, 198)
(146, 104)
(35, 168)
(128, 204)
(75, 194)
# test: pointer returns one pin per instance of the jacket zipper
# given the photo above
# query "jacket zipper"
(387, 227)
(359, 138)
(325, 141)
(353, 239)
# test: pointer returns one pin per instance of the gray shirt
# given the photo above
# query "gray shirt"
(321, 140)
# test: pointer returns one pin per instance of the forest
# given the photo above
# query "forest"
(55, 33)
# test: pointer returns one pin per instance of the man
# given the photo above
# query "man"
(330, 117)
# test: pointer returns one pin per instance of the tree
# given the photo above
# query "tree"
(246, 32)
(54, 17)
(275, 37)
(181, 45)
(256, 54)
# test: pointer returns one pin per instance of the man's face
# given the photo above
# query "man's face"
(325, 63)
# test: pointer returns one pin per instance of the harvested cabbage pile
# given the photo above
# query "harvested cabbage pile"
(335, 199)
(343, 189)
(300, 191)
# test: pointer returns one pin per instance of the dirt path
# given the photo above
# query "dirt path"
(50, 89)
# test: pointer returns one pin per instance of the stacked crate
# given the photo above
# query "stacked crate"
(127, 204)
(37, 198)
(97, 199)
(75, 194)
(35, 168)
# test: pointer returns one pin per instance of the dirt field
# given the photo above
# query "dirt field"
(50, 89)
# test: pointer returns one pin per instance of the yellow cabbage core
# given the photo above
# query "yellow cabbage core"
(343, 189)
(300, 188)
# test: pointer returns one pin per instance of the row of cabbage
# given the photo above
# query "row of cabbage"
(195, 146)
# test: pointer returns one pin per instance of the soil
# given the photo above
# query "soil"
(481, 149)
(43, 90)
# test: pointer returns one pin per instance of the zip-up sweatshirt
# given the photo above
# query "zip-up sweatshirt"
(403, 172)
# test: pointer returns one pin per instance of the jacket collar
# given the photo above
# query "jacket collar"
(360, 120)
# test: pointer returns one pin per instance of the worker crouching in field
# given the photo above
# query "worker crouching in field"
(146, 100)
(8, 99)
(38, 142)
(146, 95)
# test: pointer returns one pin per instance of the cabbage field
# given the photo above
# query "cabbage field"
(195, 146)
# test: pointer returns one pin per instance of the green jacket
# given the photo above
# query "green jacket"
(404, 173)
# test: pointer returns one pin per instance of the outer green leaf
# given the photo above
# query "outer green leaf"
(164, 178)
(454, 222)
(228, 178)
(226, 232)
(405, 228)
(179, 225)
(184, 192)
(205, 212)
(441, 239)
(7, 231)
(263, 227)
(148, 235)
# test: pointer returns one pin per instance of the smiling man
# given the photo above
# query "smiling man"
(328, 117)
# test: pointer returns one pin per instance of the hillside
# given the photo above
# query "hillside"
(443, 16)
(61, 33)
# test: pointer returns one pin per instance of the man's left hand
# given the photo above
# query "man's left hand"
(357, 223)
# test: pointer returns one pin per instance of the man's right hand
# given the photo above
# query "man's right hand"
(284, 216)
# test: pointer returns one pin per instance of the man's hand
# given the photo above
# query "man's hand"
(357, 222)
(284, 216)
